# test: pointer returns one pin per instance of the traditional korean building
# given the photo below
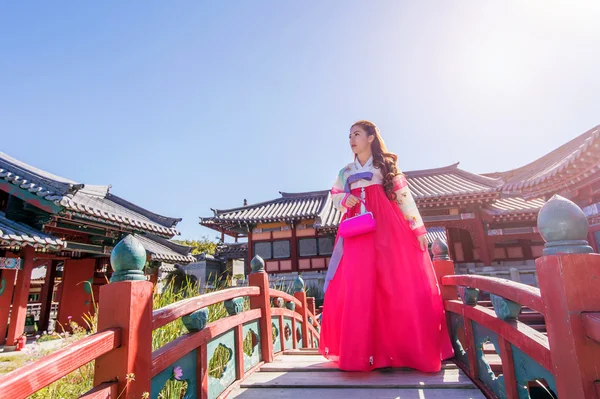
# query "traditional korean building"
(70, 229)
(488, 220)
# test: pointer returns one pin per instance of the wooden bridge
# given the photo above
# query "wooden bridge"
(509, 339)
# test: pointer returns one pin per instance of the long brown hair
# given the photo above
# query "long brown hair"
(383, 160)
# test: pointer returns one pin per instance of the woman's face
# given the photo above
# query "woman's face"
(360, 141)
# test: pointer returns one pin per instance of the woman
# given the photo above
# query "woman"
(382, 305)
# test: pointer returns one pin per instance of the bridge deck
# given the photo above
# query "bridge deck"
(306, 374)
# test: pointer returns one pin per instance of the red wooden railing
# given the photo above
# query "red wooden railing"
(26, 381)
(565, 360)
(126, 321)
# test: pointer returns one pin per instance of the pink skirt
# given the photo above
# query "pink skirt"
(383, 307)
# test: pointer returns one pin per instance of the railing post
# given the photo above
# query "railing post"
(310, 302)
(258, 278)
(126, 303)
(443, 266)
(300, 295)
(568, 274)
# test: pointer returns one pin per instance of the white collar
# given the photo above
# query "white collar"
(367, 164)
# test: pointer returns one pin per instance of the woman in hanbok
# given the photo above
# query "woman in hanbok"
(382, 306)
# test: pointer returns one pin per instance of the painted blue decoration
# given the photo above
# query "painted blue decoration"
(257, 264)
(564, 227)
(505, 309)
(251, 361)
(234, 306)
(276, 339)
(196, 321)
(469, 296)
(187, 364)
(291, 306)
(482, 335)
(440, 250)
(288, 336)
(299, 335)
(217, 386)
(458, 330)
(298, 284)
(127, 259)
(526, 369)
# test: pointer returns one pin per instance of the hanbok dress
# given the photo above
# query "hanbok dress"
(382, 305)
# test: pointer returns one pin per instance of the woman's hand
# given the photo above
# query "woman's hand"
(422, 242)
(351, 201)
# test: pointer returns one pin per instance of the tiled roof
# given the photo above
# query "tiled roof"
(430, 185)
(436, 232)
(577, 159)
(90, 201)
(164, 250)
(450, 181)
(232, 250)
(514, 208)
(286, 208)
(18, 234)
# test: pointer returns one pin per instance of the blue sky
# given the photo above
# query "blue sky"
(184, 106)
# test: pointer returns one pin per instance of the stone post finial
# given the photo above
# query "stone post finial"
(298, 284)
(257, 264)
(564, 227)
(439, 250)
(127, 259)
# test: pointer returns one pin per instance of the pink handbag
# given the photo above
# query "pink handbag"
(357, 225)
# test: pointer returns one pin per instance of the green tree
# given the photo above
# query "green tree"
(203, 245)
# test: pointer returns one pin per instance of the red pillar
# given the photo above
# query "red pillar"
(8, 278)
(301, 296)
(46, 297)
(569, 288)
(19, 308)
(76, 298)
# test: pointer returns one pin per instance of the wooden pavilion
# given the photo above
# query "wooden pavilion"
(488, 220)
(70, 228)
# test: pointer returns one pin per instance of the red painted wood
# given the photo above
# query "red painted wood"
(107, 390)
(202, 370)
(261, 281)
(508, 369)
(569, 286)
(281, 334)
(310, 302)
(301, 296)
(163, 316)
(75, 300)
(286, 313)
(46, 296)
(21, 294)
(285, 296)
(530, 341)
(176, 349)
(444, 268)
(5, 301)
(591, 325)
(294, 335)
(29, 379)
(127, 305)
(523, 294)
(239, 350)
